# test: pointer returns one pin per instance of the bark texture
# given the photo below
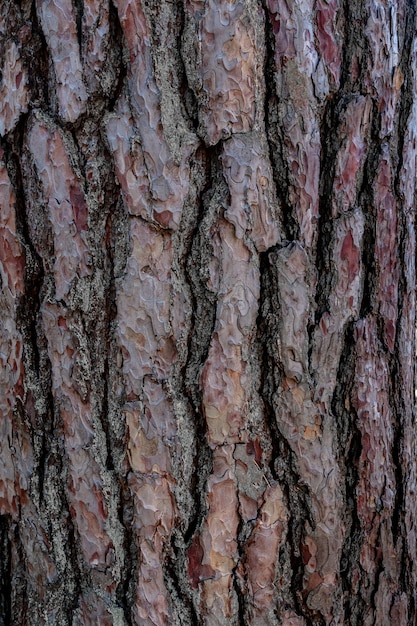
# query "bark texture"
(207, 312)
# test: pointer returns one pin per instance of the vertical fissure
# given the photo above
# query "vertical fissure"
(367, 203)
(203, 304)
(118, 42)
(126, 587)
(5, 572)
(282, 466)
(275, 138)
(355, 50)
(349, 440)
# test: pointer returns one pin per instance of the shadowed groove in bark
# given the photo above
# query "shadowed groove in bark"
(5, 572)
(176, 582)
(204, 304)
(397, 399)
(187, 93)
(101, 322)
(406, 98)
(236, 583)
(398, 529)
(56, 512)
(18, 580)
(125, 591)
(178, 593)
(117, 251)
(283, 466)
(79, 10)
(355, 50)
(186, 242)
(36, 55)
(366, 202)
(266, 326)
(108, 324)
(349, 440)
(330, 145)
(280, 172)
(275, 138)
(111, 218)
(399, 442)
(192, 254)
(28, 307)
(399, 410)
(40, 423)
(118, 40)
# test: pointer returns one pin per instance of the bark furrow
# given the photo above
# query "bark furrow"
(207, 312)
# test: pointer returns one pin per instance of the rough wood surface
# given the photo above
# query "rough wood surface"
(207, 312)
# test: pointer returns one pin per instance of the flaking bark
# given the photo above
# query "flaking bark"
(207, 312)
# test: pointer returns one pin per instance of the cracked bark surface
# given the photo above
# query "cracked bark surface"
(207, 312)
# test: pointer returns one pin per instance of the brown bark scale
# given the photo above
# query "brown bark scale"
(207, 312)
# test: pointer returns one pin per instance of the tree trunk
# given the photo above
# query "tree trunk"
(207, 315)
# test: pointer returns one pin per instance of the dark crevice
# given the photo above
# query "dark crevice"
(73, 571)
(368, 262)
(290, 224)
(73, 579)
(79, 12)
(105, 412)
(350, 443)
(178, 80)
(401, 423)
(174, 578)
(18, 582)
(125, 592)
(412, 596)
(77, 132)
(398, 411)
(40, 425)
(344, 419)
(190, 249)
(356, 51)
(331, 141)
(407, 96)
(367, 203)
(44, 450)
(29, 303)
(397, 399)
(5, 572)
(240, 593)
(203, 304)
(283, 464)
(112, 220)
(186, 92)
(35, 54)
(108, 326)
(117, 36)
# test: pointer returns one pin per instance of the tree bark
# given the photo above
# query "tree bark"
(207, 314)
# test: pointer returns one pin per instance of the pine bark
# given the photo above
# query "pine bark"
(207, 312)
